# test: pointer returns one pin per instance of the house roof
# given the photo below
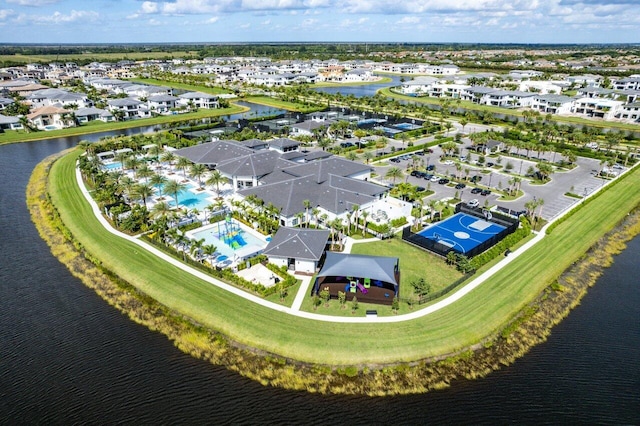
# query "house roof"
(358, 265)
(47, 110)
(197, 95)
(83, 112)
(8, 119)
(255, 164)
(214, 152)
(298, 243)
(283, 143)
(123, 102)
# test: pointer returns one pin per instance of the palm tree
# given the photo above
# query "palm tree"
(209, 250)
(215, 179)
(307, 206)
(158, 181)
(144, 172)
(173, 187)
(183, 164)
(168, 157)
(196, 248)
(144, 191)
(196, 171)
(393, 173)
(365, 215)
(545, 170)
(161, 209)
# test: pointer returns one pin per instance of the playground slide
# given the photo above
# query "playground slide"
(240, 240)
(235, 245)
(362, 289)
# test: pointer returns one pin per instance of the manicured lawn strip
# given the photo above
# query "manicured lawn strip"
(277, 103)
(485, 310)
(96, 127)
(475, 107)
(183, 86)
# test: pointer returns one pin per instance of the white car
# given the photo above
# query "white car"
(434, 178)
(473, 203)
(447, 162)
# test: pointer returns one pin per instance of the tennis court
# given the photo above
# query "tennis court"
(462, 232)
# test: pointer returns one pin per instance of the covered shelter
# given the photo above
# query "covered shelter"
(299, 249)
(372, 279)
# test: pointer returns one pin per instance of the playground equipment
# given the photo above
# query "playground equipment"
(354, 286)
(230, 233)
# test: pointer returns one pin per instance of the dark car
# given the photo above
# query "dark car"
(420, 188)
(427, 176)
(346, 144)
(476, 179)
(395, 160)
(420, 153)
(476, 190)
(430, 167)
(415, 173)
(460, 186)
(490, 164)
(443, 181)
(485, 192)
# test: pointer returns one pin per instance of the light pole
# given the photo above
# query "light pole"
(520, 172)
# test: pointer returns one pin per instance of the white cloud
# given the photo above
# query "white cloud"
(154, 22)
(149, 7)
(213, 20)
(33, 3)
(408, 20)
(6, 13)
(61, 18)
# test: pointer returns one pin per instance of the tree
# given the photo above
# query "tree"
(183, 164)
(209, 250)
(307, 206)
(342, 299)
(325, 295)
(144, 191)
(395, 305)
(420, 287)
(196, 171)
(215, 179)
(544, 170)
(393, 173)
(173, 188)
(354, 304)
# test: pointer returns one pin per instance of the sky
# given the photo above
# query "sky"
(422, 21)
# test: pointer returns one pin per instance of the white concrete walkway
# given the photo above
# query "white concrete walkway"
(294, 310)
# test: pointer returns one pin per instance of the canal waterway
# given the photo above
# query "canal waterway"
(361, 90)
(68, 357)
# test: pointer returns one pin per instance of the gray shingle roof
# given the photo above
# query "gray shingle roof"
(214, 152)
(298, 243)
(255, 164)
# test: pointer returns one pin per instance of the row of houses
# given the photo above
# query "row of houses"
(57, 108)
(542, 96)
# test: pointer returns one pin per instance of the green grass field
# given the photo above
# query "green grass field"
(99, 126)
(480, 313)
(277, 103)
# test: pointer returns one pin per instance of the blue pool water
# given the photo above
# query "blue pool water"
(462, 232)
(112, 166)
(189, 198)
(230, 239)
(407, 126)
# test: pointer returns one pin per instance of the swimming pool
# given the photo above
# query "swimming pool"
(116, 165)
(407, 126)
(189, 198)
(231, 238)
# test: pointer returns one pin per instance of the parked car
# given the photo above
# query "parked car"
(476, 178)
(395, 160)
(490, 164)
(476, 190)
(427, 176)
(420, 188)
(346, 144)
(473, 203)
(443, 181)
(447, 162)
(434, 178)
(415, 173)
(430, 167)
(485, 192)
(460, 186)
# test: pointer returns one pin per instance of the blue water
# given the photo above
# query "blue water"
(362, 90)
(458, 232)
(222, 235)
(407, 126)
(113, 166)
(189, 198)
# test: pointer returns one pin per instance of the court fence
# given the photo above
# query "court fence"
(510, 224)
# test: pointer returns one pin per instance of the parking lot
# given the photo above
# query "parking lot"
(580, 181)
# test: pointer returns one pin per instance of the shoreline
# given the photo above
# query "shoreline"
(530, 326)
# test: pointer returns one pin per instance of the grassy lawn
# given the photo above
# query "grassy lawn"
(99, 126)
(483, 311)
(414, 264)
(277, 103)
(183, 86)
(475, 107)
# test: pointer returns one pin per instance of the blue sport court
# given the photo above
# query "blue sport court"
(462, 232)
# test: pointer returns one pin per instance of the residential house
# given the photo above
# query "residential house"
(128, 108)
(198, 100)
(630, 112)
(605, 109)
(50, 118)
(10, 123)
(552, 104)
(162, 104)
(85, 115)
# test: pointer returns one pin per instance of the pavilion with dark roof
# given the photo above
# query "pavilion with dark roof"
(300, 249)
(372, 279)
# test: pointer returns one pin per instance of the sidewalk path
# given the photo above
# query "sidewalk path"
(294, 310)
